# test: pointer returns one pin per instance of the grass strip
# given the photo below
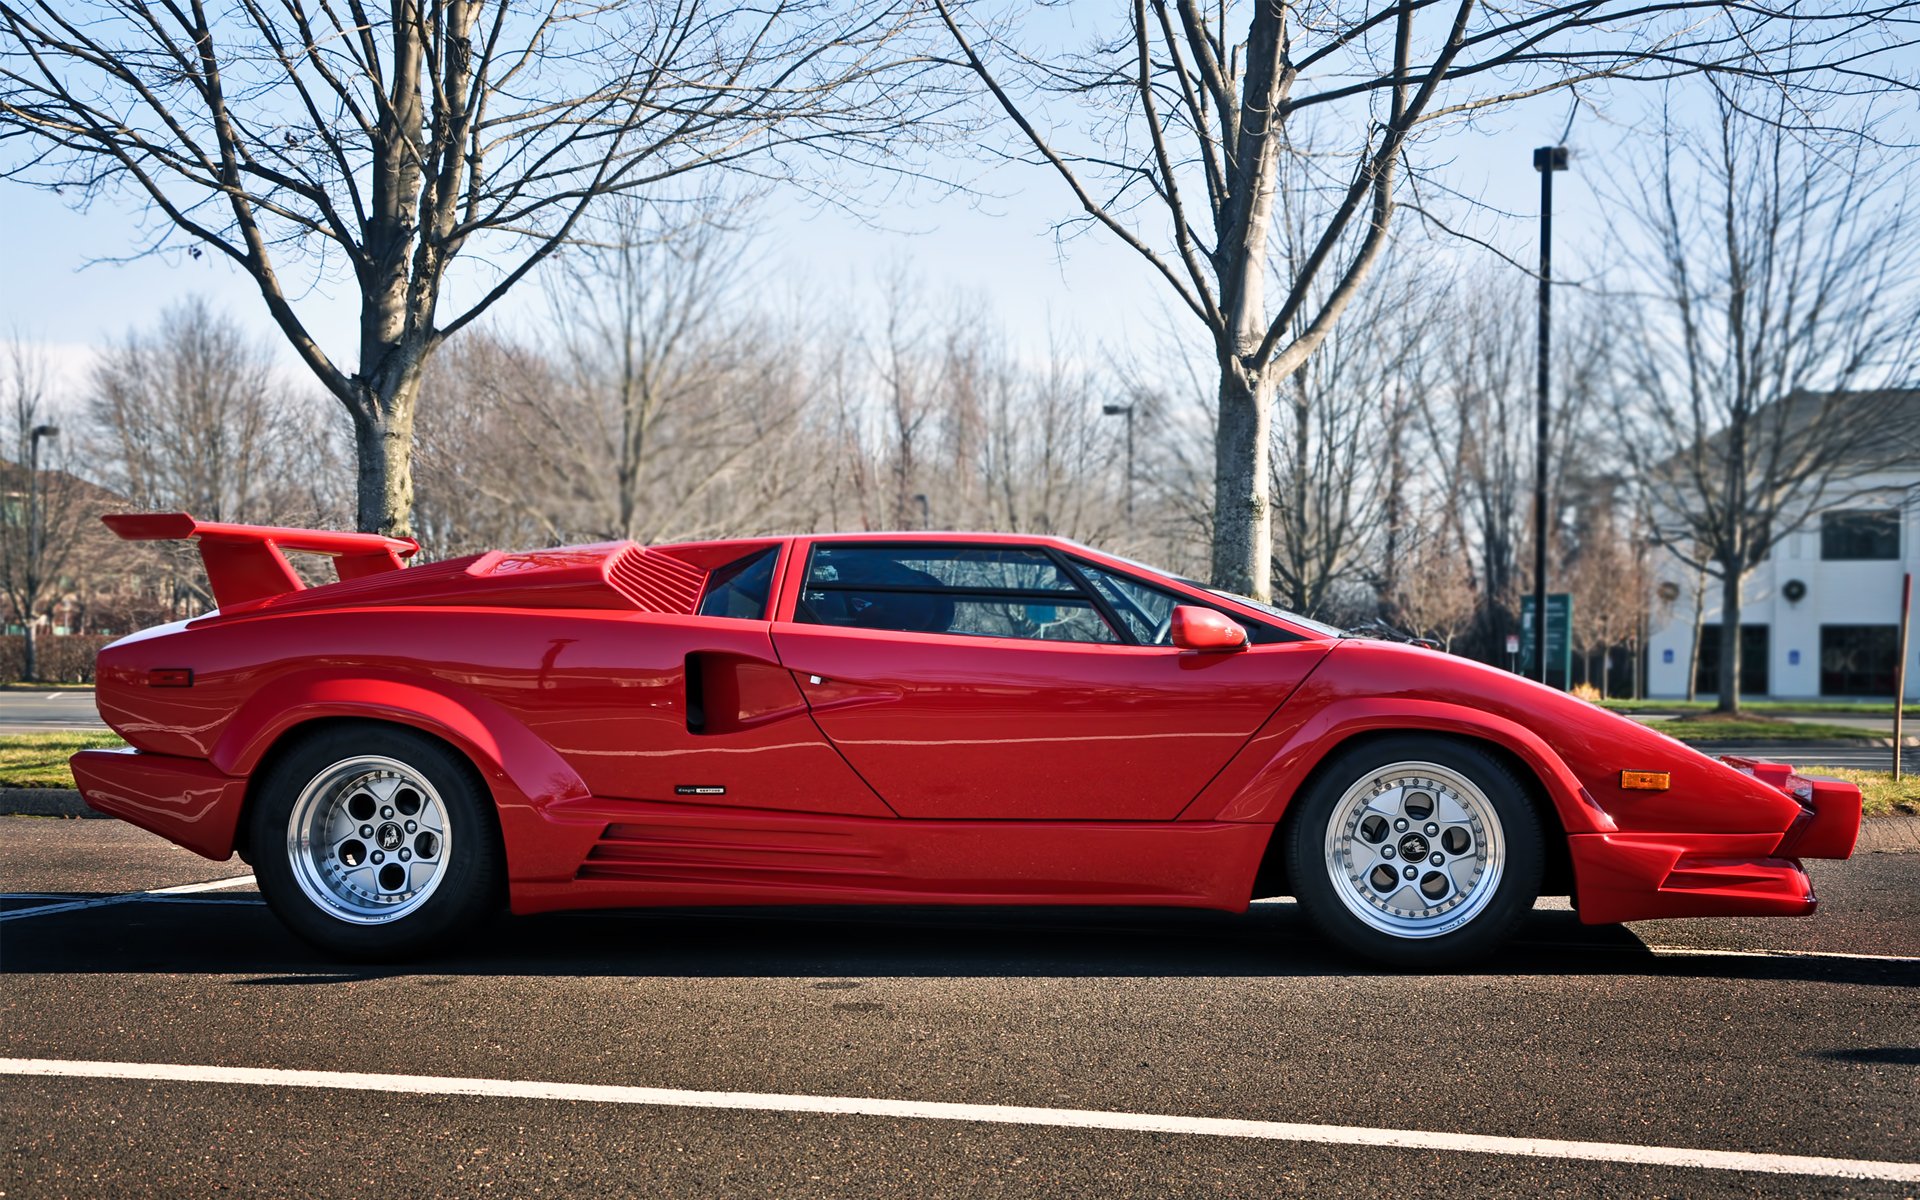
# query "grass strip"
(1881, 795)
(39, 760)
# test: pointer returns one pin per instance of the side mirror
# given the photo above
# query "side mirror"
(1197, 628)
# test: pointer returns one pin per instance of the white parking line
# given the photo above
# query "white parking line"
(185, 889)
(1705, 952)
(995, 1114)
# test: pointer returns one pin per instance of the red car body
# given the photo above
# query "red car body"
(642, 754)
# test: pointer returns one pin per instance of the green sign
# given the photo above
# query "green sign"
(1559, 639)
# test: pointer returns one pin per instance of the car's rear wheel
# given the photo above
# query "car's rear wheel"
(373, 841)
(1418, 851)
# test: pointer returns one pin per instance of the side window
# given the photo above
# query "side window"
(1006, 592)
(1147, 611)
(740, 588)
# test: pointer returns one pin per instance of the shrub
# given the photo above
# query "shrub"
(63, 659)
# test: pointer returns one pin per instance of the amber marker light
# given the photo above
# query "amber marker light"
(1645, 781)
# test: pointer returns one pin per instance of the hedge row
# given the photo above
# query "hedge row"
(63, 659)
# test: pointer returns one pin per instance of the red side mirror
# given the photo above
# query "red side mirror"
(1197, 628)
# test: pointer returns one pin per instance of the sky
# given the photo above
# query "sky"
(998, 251)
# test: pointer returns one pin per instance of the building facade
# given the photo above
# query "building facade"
(1819, 618)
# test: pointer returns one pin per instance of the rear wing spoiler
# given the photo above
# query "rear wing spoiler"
(244, 562)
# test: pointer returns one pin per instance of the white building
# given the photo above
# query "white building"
(1820, 617)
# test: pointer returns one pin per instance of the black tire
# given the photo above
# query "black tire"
(313, 892)
(1506, 829)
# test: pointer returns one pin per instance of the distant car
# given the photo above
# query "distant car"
(895, 718)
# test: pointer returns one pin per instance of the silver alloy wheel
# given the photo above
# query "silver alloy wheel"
(368, 840)
(1415, 849)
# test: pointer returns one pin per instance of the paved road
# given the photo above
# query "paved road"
(1869, 726)
(39, 712)
(1821, 754)
(1625, 1035)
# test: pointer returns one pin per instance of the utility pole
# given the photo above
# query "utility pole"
(1900, 665)
(1546, 160)
(30, 619)
(1125, 410)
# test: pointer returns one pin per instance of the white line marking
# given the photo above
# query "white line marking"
(185, 889)
(996, 1114)
(212, 885)
(1705, 952)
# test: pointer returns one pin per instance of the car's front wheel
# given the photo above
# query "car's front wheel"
(1415, 850)
(373, 841)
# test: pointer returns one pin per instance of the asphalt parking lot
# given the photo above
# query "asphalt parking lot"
(1743, 1037)
(23, 711)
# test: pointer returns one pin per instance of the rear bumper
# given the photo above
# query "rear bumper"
(183, 800)
(1640, 876)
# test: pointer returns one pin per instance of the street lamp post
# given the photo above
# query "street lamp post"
(1546, 160)
(31, 619)
(926, 510)
(1124, 410)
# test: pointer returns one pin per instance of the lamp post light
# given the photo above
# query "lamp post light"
(1124, 410)
(1546, 160)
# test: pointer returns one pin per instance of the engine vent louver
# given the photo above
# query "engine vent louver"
(656, 582)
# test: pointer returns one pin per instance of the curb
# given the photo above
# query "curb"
(44, 802)
(1896, 834)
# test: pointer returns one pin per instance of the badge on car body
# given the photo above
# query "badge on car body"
(699, 789)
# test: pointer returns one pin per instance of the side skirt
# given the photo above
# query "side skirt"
(634, 854)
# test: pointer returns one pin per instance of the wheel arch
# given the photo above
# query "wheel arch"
(516, 768)
(1304, 751)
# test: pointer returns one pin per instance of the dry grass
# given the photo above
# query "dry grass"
(39, 760)
(1881, 794)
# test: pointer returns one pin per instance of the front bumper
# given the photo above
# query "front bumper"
(183, 800)
(1641, 876)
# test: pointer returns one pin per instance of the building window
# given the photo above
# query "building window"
(1860, 534)
(1858, 660)
(1754, 680)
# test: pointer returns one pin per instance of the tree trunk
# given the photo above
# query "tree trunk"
(1242, 505)
(1699, 625)
(383, 443)
(1729, 642)
(30, 653)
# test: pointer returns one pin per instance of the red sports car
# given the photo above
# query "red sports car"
(899, 718)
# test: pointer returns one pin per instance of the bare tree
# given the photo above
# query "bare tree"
(38, 517)
(1772, 273)
(191, 415)
(393, 141)
(1607, 573)
(1436, 595)
(1332, 483)
(1170, 132)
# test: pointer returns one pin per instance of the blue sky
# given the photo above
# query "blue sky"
(1090, 294)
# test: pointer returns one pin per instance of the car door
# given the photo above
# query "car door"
(690, 708)
(991, 681)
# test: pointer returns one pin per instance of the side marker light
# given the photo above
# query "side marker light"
(170, 677)
(1645, 781)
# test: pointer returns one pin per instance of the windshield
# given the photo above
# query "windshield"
(1291, 617)
(1260, 606)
